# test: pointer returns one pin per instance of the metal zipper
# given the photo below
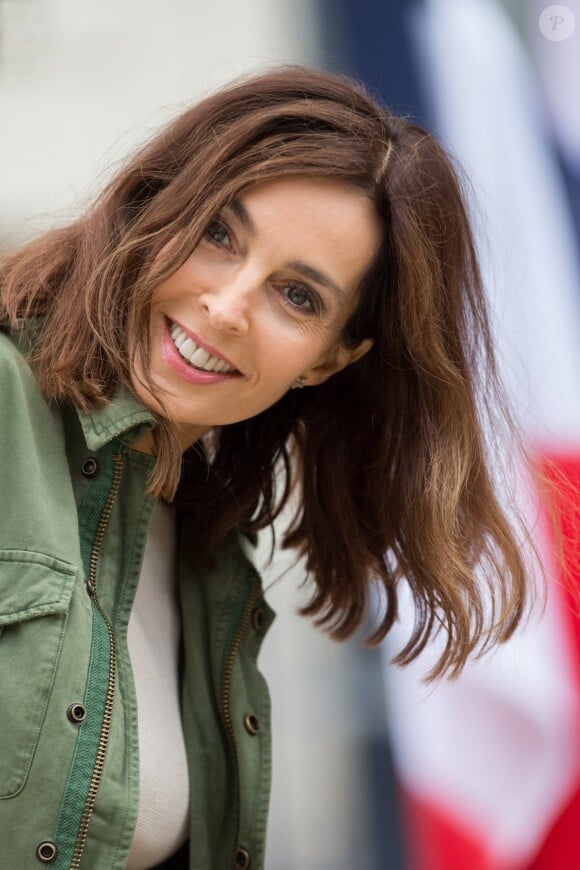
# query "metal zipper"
(107, 714)
(227, 684)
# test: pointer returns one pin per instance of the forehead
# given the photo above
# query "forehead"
(329, 223)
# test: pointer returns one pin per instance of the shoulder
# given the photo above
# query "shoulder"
(16, 374)
(39, 511)
(26, 416)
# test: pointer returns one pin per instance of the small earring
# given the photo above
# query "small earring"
(299, 382)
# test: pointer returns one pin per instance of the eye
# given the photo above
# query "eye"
(219, 234)
(301, 297)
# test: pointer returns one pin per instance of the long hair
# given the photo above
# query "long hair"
(388, 456)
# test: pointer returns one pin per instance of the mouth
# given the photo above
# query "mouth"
(198, 355)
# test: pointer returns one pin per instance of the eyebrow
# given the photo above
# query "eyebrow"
(243, 215)
(304, 269)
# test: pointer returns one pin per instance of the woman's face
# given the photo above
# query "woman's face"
(261, 301)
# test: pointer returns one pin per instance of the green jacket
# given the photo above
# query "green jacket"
(73, 523)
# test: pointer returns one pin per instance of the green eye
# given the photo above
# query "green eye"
(218, 233)
(298, 296)
(301, 297)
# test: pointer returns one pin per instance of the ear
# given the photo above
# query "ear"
(334, 360)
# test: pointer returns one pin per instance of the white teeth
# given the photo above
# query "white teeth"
(187, 348)
(197, 356)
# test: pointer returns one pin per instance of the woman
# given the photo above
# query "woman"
(278, 294)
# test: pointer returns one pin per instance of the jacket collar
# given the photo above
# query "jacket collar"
(123, 417)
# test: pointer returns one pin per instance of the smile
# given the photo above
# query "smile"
(197, 356)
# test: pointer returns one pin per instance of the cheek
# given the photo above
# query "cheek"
(168, 290)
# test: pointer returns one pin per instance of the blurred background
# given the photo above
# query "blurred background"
(372, 770)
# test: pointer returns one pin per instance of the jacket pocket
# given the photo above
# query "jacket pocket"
(35, 593)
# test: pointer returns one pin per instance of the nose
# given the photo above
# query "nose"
(227, 303)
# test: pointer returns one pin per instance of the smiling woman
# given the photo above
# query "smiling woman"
(279, 293)
(241, 302)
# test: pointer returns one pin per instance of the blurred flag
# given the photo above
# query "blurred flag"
(490, 763)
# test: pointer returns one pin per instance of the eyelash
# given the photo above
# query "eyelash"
(316, 305)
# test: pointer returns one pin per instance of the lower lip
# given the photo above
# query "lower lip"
(178, 364)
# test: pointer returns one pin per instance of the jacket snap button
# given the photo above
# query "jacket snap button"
(77, 713)
(242, 859)
(46, 852)
(251, 724)
(90, 467)
(258, 617)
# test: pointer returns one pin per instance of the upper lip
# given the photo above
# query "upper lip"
(201, 343)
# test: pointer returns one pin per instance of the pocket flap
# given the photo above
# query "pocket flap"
(33, 584)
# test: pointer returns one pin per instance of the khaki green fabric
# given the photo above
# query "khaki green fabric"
(60, 520)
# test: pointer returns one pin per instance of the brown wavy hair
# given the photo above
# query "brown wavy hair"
(388, 457)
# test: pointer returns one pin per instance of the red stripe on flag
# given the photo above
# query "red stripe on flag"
(563, 472)
(438, 841)
(561, 848)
